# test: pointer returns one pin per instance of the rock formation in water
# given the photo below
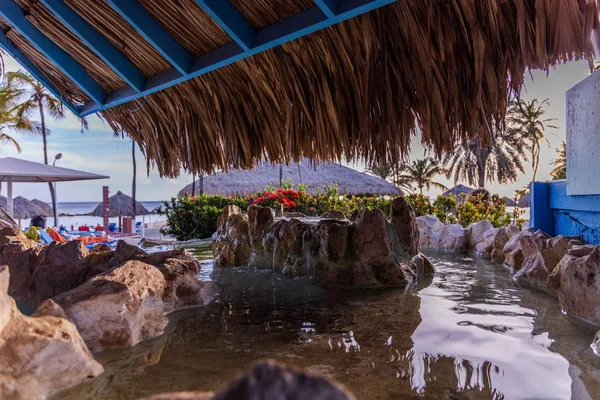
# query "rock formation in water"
(129, 302)
(596, 344)
(41, 354)
(368, 250)
(269, 380)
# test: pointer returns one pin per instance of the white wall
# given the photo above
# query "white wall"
(583, 137)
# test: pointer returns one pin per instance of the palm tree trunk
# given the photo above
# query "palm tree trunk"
(193, 184)
(133, 183)
(481, 167)
(201, 184)
(45, 144)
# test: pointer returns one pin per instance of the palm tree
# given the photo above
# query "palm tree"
(499, 160)
(9, 118)
(421, 173)
(528, 119)
(38, 99)
(560, 163)
(133, 182)
(389, 173)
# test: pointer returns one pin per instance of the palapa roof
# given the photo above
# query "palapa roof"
(315, 175)
(23, 208)
(228, 93)
(120, 205)
(458, 190)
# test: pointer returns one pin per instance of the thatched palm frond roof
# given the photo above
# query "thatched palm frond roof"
(358, 89)
(23, 208)
(120, 205)
(314, 175)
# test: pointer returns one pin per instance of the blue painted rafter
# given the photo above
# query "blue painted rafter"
(231, 20)
(291, 28)
(97, 42)
(7, 45)
(143, 22)
(329, 7)
(15, 15)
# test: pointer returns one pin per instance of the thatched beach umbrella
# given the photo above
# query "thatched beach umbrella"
(458, 190)
(45, 208)
(120, 205)
(294, 78)
(525, 201)
(314, 175)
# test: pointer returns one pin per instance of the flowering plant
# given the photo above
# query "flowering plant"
(284, 197)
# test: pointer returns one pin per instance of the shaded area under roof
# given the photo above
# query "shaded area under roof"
(315, 175)
(120, 205)
(356, 89)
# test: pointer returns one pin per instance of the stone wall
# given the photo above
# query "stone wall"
(365, 250)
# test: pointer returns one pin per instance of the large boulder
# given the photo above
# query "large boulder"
(118, 308)
(404, 226)
(371, 240)
(493, 244)
(521, 246)
(231, 246)
(536, 268)
(269, 380)
(430, 229)
(453, 238)
(596, 344)
(21, 256)
(39, 355)
(61, 267)
(577, 281)
(475, 233)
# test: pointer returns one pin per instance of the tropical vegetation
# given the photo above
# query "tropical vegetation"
(421, 174)
(560, 163)
(10, 119)
(527, 120)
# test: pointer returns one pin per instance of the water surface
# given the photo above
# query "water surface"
(470, 334)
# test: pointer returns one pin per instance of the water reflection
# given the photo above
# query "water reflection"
(488, 336)
(470, 334)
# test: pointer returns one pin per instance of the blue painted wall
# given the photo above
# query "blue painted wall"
(556, 213)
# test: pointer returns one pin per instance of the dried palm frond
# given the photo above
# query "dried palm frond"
(359, 89)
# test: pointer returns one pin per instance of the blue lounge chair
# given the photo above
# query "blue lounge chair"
(45, 237)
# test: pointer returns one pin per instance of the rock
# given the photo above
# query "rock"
(536, 268)
(231, 247)
(371, 240)
(580, 250)
(118, 308)
(430, 229)
(332, 239)
(422, 266)
(512, 230)
(596, 344)
(577, 281)
(453, 238)
(21, 256)
(333, 214)
(405, 226)
(61, 267)
(39, 355)
(475, 232)
(270, 380)
(524, 245)
(259, 219)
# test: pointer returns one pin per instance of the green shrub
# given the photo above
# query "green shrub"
(195, 217)
(33, 234)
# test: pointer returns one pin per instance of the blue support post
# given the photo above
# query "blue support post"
(291, 28)
(541, 215)
(7, 45)
(15, 15)
(329, 7)
(141, 20)
(97, 42)
(231, 20)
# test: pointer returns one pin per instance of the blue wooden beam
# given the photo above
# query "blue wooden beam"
(143, 22)
(291, 28)
(329, 7)
(15, 16)
(8, 46)
(97, 42)
(231, 20)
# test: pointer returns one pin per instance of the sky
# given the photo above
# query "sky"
(99, 151)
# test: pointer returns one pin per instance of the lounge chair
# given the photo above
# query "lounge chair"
(45, 237)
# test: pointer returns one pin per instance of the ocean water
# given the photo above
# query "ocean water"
(76, 214)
